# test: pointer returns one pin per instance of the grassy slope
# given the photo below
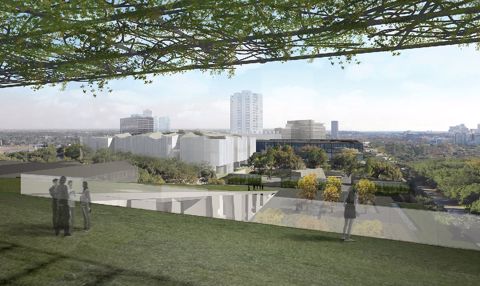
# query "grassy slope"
(137, 247)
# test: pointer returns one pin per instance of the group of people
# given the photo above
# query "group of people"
(63, 205)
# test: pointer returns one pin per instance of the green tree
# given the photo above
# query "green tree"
(276, 158)
(48, 154)
(346, 160)
(382, 169)
(456, 178)
(285, 158)
(48, 42)
(74, 152)
(313, 156)
(475, 207)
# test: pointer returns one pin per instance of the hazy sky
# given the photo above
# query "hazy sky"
(427, 89)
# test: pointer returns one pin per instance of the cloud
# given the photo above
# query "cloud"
(427, 89)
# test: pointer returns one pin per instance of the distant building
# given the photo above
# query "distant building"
(303, 129)
(270, 134)
(334, 130)
(223, 152)
(331, 147)
(476, 139)
(462, 135)
(460, 138)
(152, 145)
(147, 112)
(246, 113)
(137, 124)
(461, 128)
(95, 143)
(161, 124)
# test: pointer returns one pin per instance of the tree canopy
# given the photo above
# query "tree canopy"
(314, 157)
(92, 41)
(278, 157)
(346, 160)
(456, 178)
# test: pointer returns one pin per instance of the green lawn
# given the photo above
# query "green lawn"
(138, 247)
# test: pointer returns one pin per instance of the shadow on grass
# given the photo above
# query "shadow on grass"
(28, 229)
(98, 274)
(313, 237)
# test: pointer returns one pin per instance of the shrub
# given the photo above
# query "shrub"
(289, 184)
(215, 181)
(331, 194)
(475, 207)
(321, 185)
(366, 191)
(334, 181)
(257, 181)
(333, 188)
(391, 190)
(308, 187)
(145, 177)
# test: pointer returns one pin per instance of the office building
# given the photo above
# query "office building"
(458, 129)
(331, 147)
(246, 113)
(303, 129)
(161, 124)
(137, 124)
(334, 130)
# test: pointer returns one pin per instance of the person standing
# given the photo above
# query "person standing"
(63, 208)
(350, 214)
(71, 204)
(53, 194)
(85, 202)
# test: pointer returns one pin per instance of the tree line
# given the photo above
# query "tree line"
(279, 158)
(456, 178)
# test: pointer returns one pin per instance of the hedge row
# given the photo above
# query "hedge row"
(386, 190)
(244, 181)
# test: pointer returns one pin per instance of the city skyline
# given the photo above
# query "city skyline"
(422, 90)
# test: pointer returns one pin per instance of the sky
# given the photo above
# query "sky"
(420, 90)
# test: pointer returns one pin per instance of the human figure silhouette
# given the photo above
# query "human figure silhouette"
(63, 208)
(85, 205)
(53, 194)
(350, 214)
(71, 204)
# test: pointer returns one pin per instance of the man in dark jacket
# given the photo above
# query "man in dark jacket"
(53, 194)
(63, 208)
